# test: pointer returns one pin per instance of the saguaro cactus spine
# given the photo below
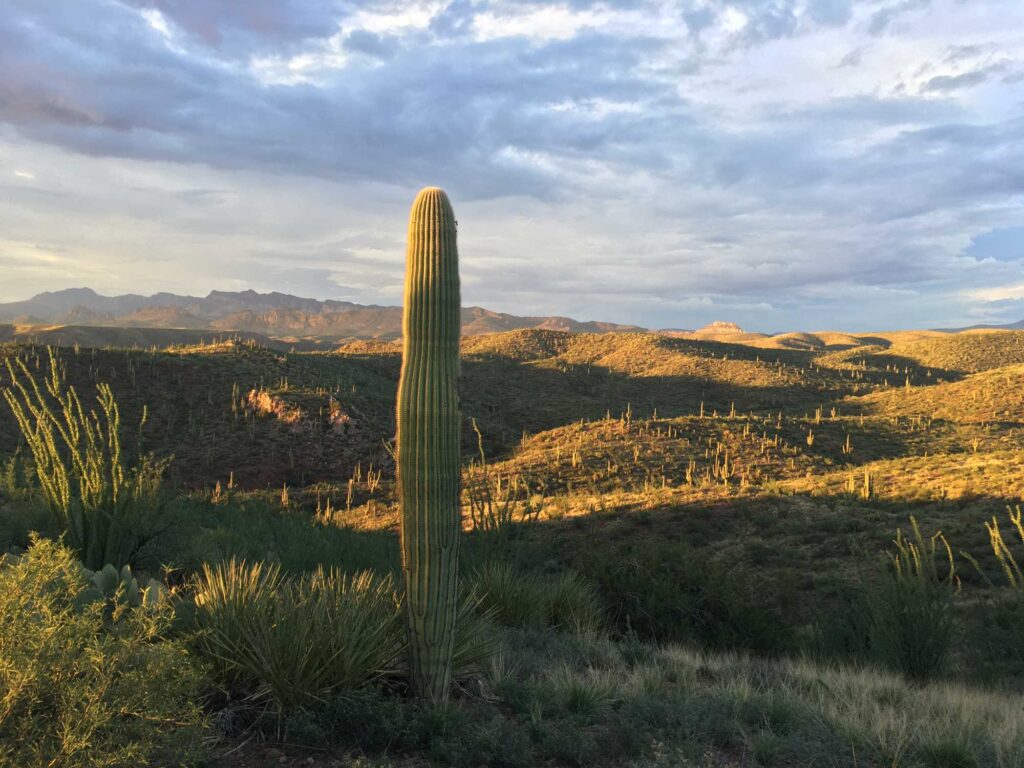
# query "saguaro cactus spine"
(428, 440)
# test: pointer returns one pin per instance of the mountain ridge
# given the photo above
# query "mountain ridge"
(272, 314)
(283, 315)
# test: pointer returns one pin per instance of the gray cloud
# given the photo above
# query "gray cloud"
(946, 83)
(375, 46)
(454, 20)
(230, 26)
(882, 19)
(851, 59)
(830, 12)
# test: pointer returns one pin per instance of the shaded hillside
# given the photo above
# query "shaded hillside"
(271, 413)
(820, 340)
(520, 345)
(266, 414)
(265, 417)
(730, 333)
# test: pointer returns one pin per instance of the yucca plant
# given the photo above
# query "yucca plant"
(428, 438)
(476, 641)
(292, 642)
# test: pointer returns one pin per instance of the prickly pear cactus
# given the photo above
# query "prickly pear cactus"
(113, 588)
(428, 440)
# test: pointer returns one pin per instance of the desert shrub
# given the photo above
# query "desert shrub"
(21, 514)
(666, 592)
(108, 512)
(994, 624)
(842, 631)
(292, 642)
(521, 599)
(903, 617)
(992, 628)
(911, 605)
(83, 686)
(584, 696)
(573, 603)
(496, 503)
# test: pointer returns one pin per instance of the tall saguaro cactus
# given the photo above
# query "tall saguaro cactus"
(428, 440)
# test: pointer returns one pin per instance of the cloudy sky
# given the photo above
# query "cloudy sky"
(785, 164)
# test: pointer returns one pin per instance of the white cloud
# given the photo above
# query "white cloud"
(998, 293)
(551, 22)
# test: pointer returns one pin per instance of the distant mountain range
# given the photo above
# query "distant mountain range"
(1019, 325)
(272, 314)
(287, 318)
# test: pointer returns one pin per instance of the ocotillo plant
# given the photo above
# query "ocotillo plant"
(428, 440)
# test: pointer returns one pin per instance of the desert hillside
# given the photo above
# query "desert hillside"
(668, 533)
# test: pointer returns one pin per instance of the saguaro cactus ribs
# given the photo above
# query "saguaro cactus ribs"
(428, 440)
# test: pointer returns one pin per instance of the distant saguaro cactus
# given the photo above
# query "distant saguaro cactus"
(429, 472)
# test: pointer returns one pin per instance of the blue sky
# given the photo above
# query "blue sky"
(785, 164)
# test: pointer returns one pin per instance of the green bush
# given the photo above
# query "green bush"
(992, 629)
(667, 592)
(84, 687)
(521, 599)
(911, 606)
(843, 630)
(21, 514)
(904, 617)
